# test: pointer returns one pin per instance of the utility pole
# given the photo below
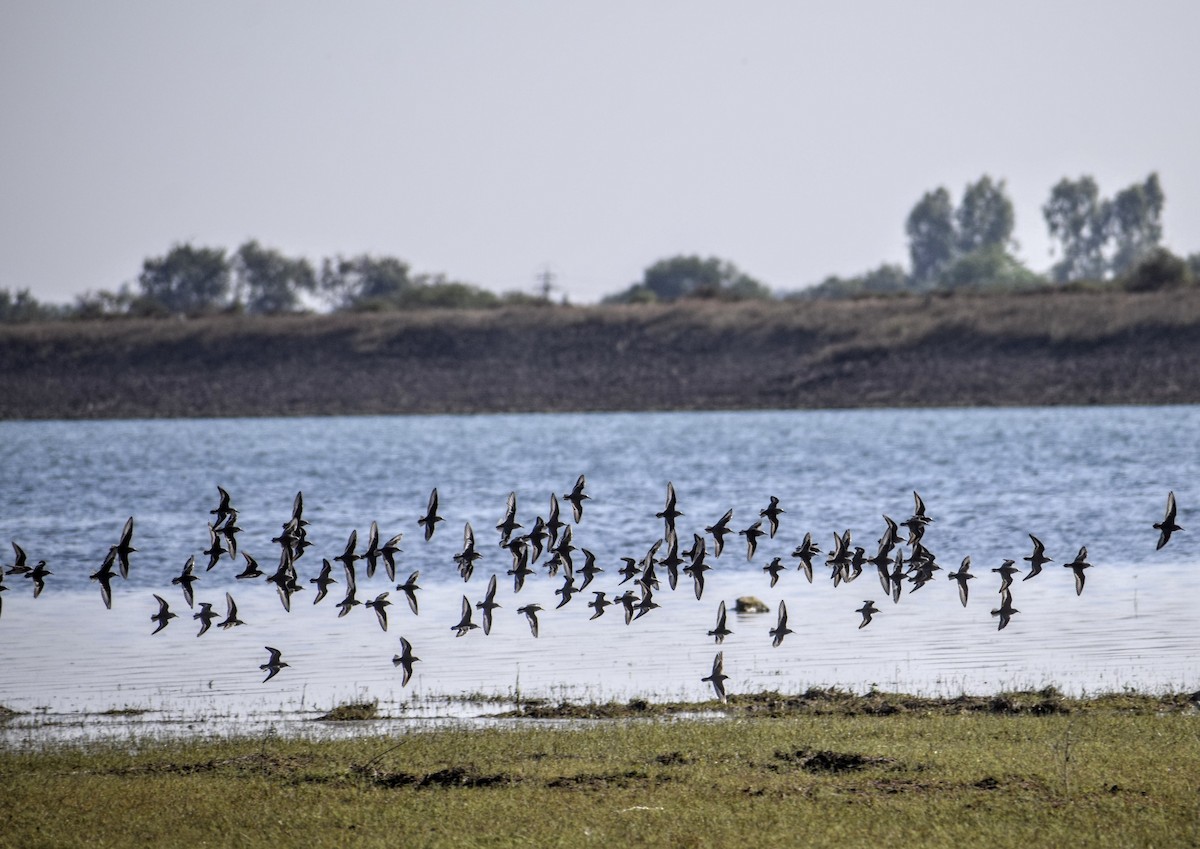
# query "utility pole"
(545, 282)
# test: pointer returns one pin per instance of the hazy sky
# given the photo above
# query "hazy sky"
(487, 140)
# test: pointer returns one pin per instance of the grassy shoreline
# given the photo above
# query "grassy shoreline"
(1118, 770)
(1050, 348)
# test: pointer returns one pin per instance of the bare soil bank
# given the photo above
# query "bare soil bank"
(1043, 349)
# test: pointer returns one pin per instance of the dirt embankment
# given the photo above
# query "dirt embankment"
(1058, 348)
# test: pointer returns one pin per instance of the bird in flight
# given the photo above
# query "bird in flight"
(431, 518)
(867, 610)
(1167, 526)
(273, 664)
(718, 677)
(1037, 559)
(720, 632)
(164, 614)
(405, 659)
(781, 629)
(577, 496)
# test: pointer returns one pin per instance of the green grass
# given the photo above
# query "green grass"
(1125, 773)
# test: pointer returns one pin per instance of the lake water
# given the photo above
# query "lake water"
(1073, 476)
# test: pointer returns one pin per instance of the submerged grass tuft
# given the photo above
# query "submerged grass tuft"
(352, 712)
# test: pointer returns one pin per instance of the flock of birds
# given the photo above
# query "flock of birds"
(901, 558)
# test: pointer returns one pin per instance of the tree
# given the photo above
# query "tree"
(1136, 223)
(22, 307)
(1078, 218)
(932, 240)
(989, 267)
(364, 282)
(691, 277)
(1158, 269)
(187, 280)
(984, 217)
(267, 282)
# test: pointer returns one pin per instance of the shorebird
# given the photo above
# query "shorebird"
(349, 602)
(231, 618)
(567, 591)
(629, 571)
(488, 605)
(519, 548)
(589, 569)
(465, 625)
(669, 513)
(206, 617)
(917, 521)
(781, 629)
(388, 551)
(536, 538)
(598, 604)
(380, 604)
(718, 676)
(646, 603)
(467, 557)
(229, 531)
(867, 610)
(104, 576)
(373, 551)
(323, 580)
(577, 496)
(1037, 559)
(805, 552)
(431, 518)
(214, 550)
(163, 616)
(773, 569)
(284, 579)
(251, 570)
(891, 534)
(698, 566)
(563, 548)
(20, 563)
(897, 576)
(554, 524)
(752, 534)
(349, 556)
(38, 575)
(672, 560)
(509, 523)
(409, 588)
(224, 507)
(962, 576)
(125, 547)
(1077, 566)
(839, 557)
(771, 513)
(1005, 570)
(531, 611)
(628, 600)
(185, 579)
(273, 664)
(1167, 526)
(1006, 610)
(720, 632)
(718, 531)
(405, 659)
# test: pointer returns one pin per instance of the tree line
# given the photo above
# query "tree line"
(969, 245)
(1098, 241)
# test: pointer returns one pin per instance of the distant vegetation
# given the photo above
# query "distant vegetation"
(1102, 242)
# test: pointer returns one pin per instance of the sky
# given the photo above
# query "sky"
(490, 141)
